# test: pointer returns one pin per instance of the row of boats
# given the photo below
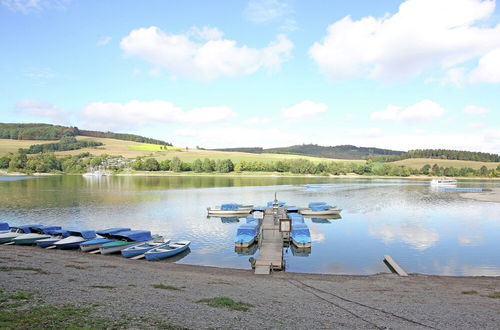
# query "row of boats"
(300, 236)
(233, 209)
(130, 243)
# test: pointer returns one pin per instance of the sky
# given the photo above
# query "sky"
(401, 75)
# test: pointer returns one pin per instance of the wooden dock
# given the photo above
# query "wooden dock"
(270, 243)
(393, 266)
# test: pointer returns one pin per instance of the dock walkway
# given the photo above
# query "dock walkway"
(270, 243)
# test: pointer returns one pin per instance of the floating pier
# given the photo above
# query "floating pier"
(270, 242)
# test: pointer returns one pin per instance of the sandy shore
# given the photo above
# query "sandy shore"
(119, 287)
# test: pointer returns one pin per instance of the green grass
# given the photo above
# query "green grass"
(469, 292)
(166, 287)
(420, 162)
(494, 295)
(153, 147)
(225, 302)
(12, 268)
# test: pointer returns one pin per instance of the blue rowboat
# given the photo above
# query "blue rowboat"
(125, 239)
(300, 235)
(105, 237)
(166, 251)
(75, 238)
(246, 234)
(16, 231)
(136, 250)
(37, 232)
(56, 235)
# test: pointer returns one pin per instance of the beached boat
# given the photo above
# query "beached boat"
(246, 234)
(37, 232)
(75, 238)
(227, 210)
(166, 251)
(319, 209)
(124, 240)
(55, 235)
(135, 250)
(14, 232)
(300, 235)
(105, 236)
(4, 227)
(444, 182)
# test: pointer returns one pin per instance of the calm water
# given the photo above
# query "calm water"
(426, 231)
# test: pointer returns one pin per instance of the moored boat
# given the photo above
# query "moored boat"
(246, 234)
(37, 232)
(75, 238)
(319, 208)
(4, 227)
(136, 250)
(14, 232)
(232, 209)
(105, 236)
(166, 251)
(125, 239)
(444, 182)
(300, 235)
(55, 235)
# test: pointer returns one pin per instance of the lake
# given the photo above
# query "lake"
(425, 230)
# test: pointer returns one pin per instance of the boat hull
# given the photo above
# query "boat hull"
(88, 246)
(308, 212)
(133, 251)
(47, 241)
(221, 213)
(71, 242)
(29, 239)
(115, 247)
(154, 256)
(244, 242)
(301, 244)
(7, 237)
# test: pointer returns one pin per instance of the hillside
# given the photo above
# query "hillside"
(314, 150)
(37, 131)
(418, 163)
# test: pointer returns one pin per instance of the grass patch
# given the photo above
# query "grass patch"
(225, 302)
(494, 295)
(75, 267)
(169, 326)
(153, 147)
(469, 292)
(12, 268)
(103, 286)
(166, 287)
(21, 297)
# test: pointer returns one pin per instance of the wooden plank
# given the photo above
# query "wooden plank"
(394, 266)
(262, 270)
(140, 256)
(95, 251)
(9, 243)
(50, 247)
(270, 244)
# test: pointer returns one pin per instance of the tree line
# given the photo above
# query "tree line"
(48, 162)
(439, 154)
(66, 143)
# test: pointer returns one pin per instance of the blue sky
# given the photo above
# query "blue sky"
(392, 74)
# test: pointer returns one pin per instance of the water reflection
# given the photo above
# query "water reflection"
(425, 231)
(247, 251)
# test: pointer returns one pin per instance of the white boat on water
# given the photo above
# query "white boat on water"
(225, 210)
(319, 209)
(443, 182)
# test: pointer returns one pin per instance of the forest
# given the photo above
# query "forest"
(439, 154)
(65, 143)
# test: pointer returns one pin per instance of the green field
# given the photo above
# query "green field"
(420, 162)
(153, 147)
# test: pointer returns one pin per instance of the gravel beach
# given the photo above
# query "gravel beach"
(118, 287)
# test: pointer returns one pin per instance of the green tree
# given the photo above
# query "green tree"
(426, 169)
(18, 161)
(176, 164)
(208, 165)
(151, 164)
(165, 165)
(198, 166)
(483, 171)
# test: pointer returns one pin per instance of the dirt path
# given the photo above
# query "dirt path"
(118, 288)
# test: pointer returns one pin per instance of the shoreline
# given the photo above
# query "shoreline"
(254, 175)
(282, 300)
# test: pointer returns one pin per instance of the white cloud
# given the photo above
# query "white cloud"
(257, 121)
(40, 109)
(422, 111)
(140, 114)
(476, 110)
(421, 35)
(205, 60)
(415, 234)
(488, 69)
(367, 132)
(103, 41)
(303, 110)
(32, 6)
(267, 11)
(205, 33)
